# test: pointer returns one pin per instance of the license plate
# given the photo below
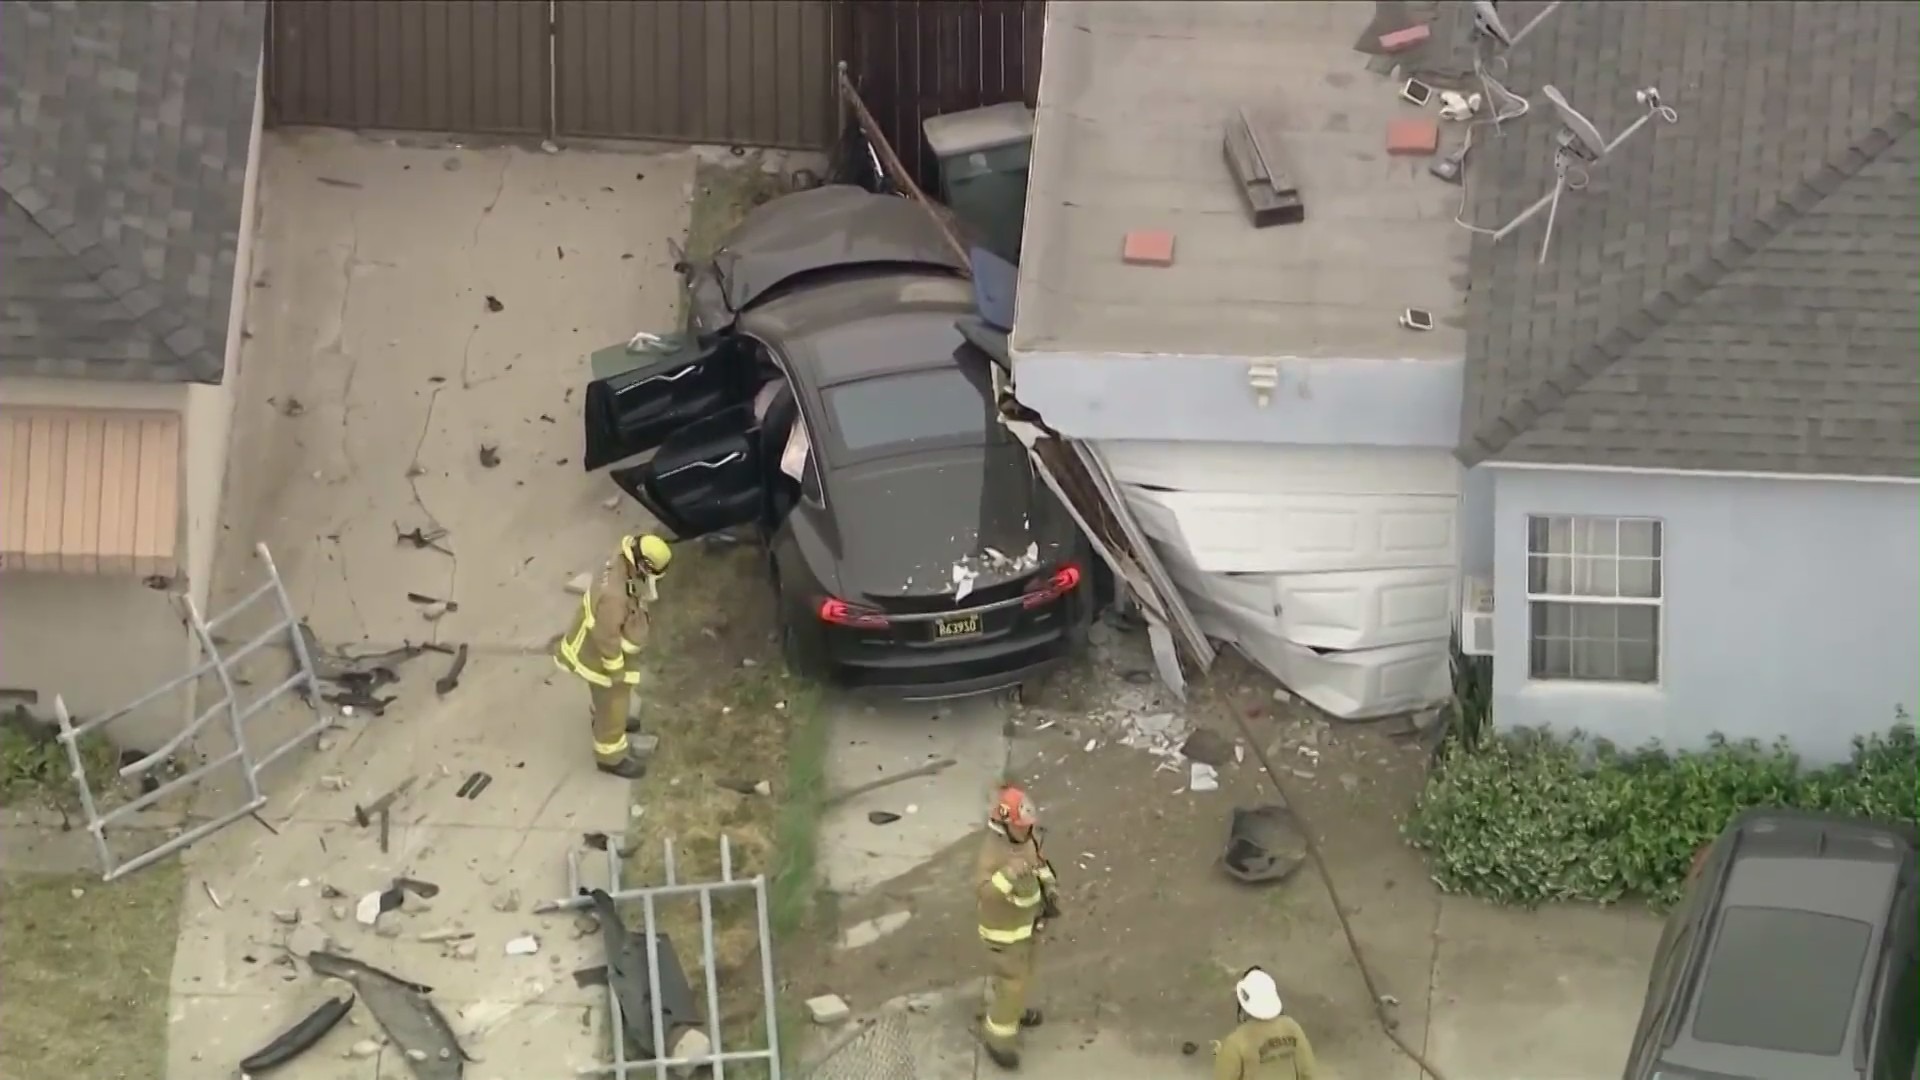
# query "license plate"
(960, 626)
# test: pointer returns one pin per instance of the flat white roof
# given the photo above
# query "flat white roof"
(1134, 102)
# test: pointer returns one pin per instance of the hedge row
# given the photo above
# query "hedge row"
(1526, 818)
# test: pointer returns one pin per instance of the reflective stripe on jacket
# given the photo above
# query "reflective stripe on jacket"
(611, 626)
(1008, 890)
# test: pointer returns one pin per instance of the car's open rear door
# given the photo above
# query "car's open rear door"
(706, 477)
(634, 410)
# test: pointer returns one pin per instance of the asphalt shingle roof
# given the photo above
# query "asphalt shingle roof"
(1736, 291)
(124, 132)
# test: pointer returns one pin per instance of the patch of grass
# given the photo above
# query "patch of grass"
(34, 767)
(86, 976)
(723, 194)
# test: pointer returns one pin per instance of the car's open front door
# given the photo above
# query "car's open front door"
(635, 410)
(706, 477)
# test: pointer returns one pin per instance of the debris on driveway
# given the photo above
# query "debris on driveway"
(404, 1012)
(446, 684)
(364, 816)
(377, 903)
(299, 1038)
(508, 901)
(489, 456)
(929, 769)
(627, 975)
(1203, 777)
(1264, 843)
(828, 1009)
(746, 787)
(524, 945)
(421, 539)
(494, 305)
(882, 817)
(473, 785)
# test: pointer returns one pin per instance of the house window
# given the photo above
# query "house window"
(1594, 587)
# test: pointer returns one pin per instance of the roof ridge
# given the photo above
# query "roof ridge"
(77, 240)
(1746, 239)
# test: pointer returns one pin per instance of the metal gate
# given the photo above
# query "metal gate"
(236, 713)
(657, 1029)
(752, 72)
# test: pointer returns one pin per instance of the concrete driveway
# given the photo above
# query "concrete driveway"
(412, 305)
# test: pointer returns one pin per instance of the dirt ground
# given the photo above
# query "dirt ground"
(1154, 934)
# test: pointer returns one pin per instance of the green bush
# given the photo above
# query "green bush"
(1527, 818)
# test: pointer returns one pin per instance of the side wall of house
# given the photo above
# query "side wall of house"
(1792, 608)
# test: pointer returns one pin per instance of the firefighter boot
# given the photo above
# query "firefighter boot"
(627, 768)
(1031, 1018)
(1002, 1056)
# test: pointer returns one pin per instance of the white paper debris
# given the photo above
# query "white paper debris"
(367, 912)
(963, 578)
(524, 945)
(1203, 778)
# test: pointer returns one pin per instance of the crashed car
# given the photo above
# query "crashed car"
(825, 399)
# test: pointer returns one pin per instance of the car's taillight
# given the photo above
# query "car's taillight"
(840, 613)
(1064, 580)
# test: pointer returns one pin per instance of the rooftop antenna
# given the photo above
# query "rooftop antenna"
(1487, 23)
(1579, 147)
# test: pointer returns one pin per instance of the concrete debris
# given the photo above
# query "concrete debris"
(579, 584)
(388, 930)
(367, 911)
(333, 782)
(524, 945)
(416, 1054)
(1203, 777)
(365, 1048)
(1281, 696)
(466, 950)
(286, 916)
(446, 933)
(1162, 734)
(611, 502)
(338, 912)
(507, 901)
(828, 1009)
(585, 926)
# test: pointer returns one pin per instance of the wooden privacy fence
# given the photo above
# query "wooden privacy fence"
(747, 72)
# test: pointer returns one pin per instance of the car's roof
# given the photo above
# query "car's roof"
(864, 324)
(826, 227)
(1794, 874)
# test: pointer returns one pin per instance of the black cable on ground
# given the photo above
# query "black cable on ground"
(1387, 1023)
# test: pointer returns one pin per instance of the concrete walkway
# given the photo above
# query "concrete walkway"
(374, 372)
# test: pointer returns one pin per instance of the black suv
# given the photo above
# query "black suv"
(1792, 957)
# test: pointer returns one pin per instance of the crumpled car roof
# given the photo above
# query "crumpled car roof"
(826, 227)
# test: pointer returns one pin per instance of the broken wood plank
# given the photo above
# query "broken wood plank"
(1258, 164)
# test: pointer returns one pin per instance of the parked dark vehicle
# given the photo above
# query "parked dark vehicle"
(831, 405)
(1792, 957)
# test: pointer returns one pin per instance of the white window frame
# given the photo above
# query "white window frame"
(1590, 562)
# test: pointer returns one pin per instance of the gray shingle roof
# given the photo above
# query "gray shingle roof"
(1736, 291)
(124, 131)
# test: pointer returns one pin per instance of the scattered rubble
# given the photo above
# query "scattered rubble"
(828, 1009)
(447, 683)
(524, 945)
(1203, 777)
(493, 302)
(365, 1048)
(1264, 843)
(1208, 747)
(489, 456)
(404, 1012)
(508, 901)
(307, 939)
(286, 916)
(882, 817)
(299, 1038)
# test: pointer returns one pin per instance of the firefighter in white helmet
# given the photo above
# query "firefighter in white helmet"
(1266, 1045)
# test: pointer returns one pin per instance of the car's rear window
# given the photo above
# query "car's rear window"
(943, 403)
(1781, 980)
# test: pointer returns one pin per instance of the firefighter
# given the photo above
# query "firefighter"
(1265, 1045)
(602, 646)
(1015, 890)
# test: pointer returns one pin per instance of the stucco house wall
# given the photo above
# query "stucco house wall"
(103, 640)
(1791, 608)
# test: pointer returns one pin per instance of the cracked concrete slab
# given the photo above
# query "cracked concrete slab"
(872, 742)
(1552, 994)
(373, 372)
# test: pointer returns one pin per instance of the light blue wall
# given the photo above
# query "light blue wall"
(1208, 399)
(1793, 608)
(1476, 521)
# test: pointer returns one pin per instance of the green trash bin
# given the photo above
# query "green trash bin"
(983, 155)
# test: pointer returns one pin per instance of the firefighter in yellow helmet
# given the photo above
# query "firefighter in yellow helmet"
(603, 644)
(1015, 886)
(1265, 1045)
